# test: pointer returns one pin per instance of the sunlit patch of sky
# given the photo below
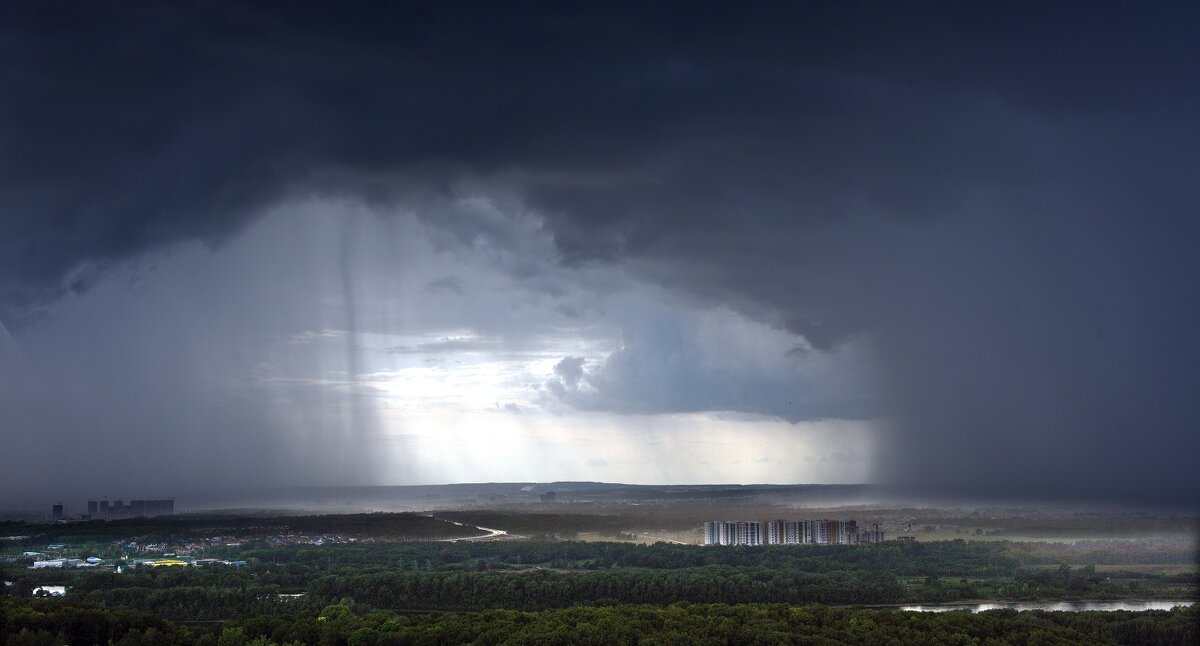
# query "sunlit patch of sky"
(690, 448)
(334, 344)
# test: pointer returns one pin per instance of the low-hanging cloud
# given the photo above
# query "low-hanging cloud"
(682, 361)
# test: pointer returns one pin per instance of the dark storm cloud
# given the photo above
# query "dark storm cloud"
(673, 362)
(1005, 196)
(127, 130)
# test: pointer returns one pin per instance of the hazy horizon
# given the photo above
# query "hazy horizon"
(481, 495)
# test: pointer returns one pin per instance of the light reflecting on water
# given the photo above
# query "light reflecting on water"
(1070, 606)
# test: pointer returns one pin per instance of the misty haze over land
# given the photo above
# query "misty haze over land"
(331, 245)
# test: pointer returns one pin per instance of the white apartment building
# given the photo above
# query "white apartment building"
(789, 532)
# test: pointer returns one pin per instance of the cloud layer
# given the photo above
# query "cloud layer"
(996, 201)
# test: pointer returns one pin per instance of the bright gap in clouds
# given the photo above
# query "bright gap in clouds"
(330, 344)
(695, 448)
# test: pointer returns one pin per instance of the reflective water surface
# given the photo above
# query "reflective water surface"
(1052, 605)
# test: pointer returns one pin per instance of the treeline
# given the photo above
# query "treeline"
(297, 565)
(725, 624)
(543, 589)
(1110, 552)
(905, 558)
(539, 576)
(389, 526)
(193, 603)
(199, 595)
(36, 623)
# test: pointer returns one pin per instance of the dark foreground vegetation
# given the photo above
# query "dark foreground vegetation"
(38, 622)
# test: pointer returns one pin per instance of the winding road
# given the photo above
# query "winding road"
(491, 533)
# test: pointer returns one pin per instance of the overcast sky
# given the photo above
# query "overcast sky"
(948, 246)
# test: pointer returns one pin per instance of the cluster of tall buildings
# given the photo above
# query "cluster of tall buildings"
(789, 532)
(105, 510)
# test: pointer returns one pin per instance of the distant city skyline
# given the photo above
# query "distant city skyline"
(105, 509)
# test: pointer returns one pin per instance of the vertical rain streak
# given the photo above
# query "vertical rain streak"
(359, 423)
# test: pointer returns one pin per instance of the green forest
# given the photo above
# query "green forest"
(398, 589)
(533, 576)
(42, 622)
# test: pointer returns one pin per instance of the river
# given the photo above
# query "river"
(1073, 606)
